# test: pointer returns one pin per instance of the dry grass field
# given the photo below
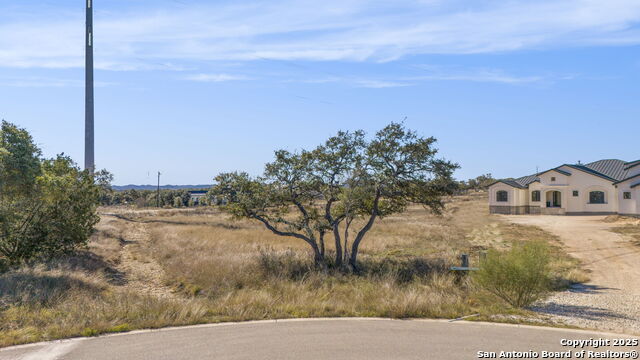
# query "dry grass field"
(155, 268)
(629, 227)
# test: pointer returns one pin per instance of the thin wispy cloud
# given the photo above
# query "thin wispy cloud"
(136, 38)
(47, 82)
(373, 83)
(380, 84)
(215, 77)
(440, 73)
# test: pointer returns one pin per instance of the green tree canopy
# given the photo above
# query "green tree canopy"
(309, 194)
(47, 206)
(481, 182)
(19, 160)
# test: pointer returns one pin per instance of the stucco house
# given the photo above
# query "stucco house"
(601, 187)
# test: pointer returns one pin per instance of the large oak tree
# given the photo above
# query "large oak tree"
(310, 195)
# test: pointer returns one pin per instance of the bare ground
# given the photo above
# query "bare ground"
(149, 268)
(611, 299)
(140, 273)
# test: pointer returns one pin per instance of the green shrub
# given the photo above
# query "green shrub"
(47, 206)
(120, 328)
(90, 332)
(519, 276)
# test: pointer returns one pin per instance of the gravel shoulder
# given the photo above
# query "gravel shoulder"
(610, 301)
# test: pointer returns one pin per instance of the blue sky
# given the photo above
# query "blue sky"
(193, 88)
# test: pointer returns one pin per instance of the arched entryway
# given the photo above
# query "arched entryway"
(554, 199)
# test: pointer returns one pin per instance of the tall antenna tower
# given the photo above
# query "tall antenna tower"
(89, 162)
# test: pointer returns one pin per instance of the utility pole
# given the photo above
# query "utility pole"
(89, 162)
(158, 192)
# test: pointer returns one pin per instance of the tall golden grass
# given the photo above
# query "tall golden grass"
(154, 268)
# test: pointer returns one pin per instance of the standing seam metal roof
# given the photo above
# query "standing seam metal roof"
(613, 169)
(631, 164)
(526, 180)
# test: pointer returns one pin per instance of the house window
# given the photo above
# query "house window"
(626, 195)
(553, 178)
(596, 197)
(502, 196)
(535, 195)
(576, 193)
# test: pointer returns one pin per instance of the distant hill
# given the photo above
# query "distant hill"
(154, 187)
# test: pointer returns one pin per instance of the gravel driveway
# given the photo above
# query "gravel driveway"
(611, 299)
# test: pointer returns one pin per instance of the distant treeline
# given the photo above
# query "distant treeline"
(145, 198)
(162, 187)
(481, 182)
(176, 198)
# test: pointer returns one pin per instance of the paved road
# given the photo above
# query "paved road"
(311, 339)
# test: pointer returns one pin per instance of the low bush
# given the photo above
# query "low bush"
(47, 206)
(519, 276)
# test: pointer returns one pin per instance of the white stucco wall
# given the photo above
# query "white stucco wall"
(513, 195)
(580, 181)
(546, 179)
(560, 184)
(628, 206)
(584, 183)
(535, 186)
(522, 197)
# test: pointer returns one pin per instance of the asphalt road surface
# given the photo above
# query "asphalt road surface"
(316, 339)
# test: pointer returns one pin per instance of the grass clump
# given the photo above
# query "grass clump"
(155, 268)
(120, 328)
(39, 304)
(519, 276)
(89, 332)
(631, 231)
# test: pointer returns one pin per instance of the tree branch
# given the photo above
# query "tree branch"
(365, 229)
(285, 233)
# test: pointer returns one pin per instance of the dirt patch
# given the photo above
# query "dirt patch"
(629, 231)
(157, 268)
(140, 272)
(609, 301)
(622, 219)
